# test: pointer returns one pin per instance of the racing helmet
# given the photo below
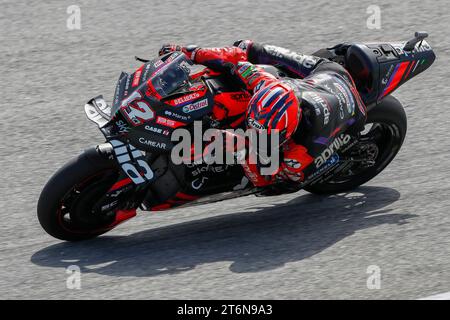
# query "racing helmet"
(274, 107)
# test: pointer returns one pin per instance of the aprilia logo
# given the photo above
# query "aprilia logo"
(340, 141)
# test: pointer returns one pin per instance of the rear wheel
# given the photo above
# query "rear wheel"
(65, 206)
(380, 142)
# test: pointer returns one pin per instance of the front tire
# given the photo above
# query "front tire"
(65, 204)
(388, 125)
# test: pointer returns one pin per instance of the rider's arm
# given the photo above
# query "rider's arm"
(218, 59)
(299, 64)
(232, 60)
(246, 50)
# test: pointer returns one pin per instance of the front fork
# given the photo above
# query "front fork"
(124, 196)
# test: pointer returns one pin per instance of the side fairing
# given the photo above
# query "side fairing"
(176, 111)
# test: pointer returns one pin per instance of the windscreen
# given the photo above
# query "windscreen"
(173, 75)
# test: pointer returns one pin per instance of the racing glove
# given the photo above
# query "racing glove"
(187, 50)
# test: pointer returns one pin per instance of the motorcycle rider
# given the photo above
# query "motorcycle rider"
(310, 109)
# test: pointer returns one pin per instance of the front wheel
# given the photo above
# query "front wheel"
(384, 133)
(65, 206)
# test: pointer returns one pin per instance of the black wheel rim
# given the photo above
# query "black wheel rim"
(383, 141)
(75, 210)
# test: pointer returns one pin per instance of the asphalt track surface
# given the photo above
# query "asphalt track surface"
(297, 246)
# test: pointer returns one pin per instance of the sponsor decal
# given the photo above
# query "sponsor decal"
(344, 89)
(293, 163)
(127, 86)
(337, 143)
(151, 143)
(186, 98)
(169, 122)
(132, 162)
(199, 183)
(327, 165)
(319, 101)
(255, 124)
(146, 70)
(176, 115)
(158, 63)
(98, 111)
(137, 76)
(122, 126)
(341, 111)
(156, 130)
(206, 168)
(304, 60)
(422, 48)
(195, 106)
(385, 80)
(109, 206)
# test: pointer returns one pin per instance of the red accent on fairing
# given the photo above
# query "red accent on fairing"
(161, 207)
(410, 68)
(182, 199)
(120, 184)
(397, 77)
(137, 77)
(176, 202)
(185, 196)
(122, 215)
(150, 90)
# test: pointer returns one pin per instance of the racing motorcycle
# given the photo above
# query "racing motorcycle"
(133, 169)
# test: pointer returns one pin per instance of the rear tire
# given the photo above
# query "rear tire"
(65, 204)
(389, 116)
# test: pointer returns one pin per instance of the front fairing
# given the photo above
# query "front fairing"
(164, 78)
(155, 100)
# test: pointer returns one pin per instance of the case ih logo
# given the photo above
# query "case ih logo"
(195, 106)
(186, 98)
